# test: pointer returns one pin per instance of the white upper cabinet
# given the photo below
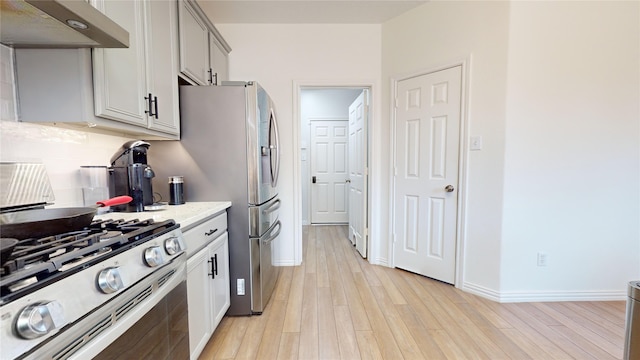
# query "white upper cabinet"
(194, 43)
(203, 51)
(138, 85)
(219, 60)
(162, 65)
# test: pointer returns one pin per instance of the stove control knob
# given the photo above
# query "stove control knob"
(110, 281)
(153, 256)
(173, 245)
(39, 319)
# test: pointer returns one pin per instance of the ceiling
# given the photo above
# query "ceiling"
(305, 11)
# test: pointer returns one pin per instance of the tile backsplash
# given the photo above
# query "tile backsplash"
(61, 150)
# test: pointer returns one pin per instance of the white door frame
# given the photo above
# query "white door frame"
(462, 160)
(298, 86)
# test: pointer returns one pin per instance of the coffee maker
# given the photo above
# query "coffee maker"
(129, 174)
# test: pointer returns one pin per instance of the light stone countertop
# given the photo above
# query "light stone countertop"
(187, 215)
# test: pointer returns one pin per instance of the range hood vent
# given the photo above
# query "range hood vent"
(58, 24)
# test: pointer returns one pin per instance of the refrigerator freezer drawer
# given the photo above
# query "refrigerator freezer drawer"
(262, 217)
(263, 273)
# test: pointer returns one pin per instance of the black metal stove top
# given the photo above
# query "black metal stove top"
(34, 263)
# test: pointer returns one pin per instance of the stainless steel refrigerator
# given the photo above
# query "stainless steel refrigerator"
(229, 151)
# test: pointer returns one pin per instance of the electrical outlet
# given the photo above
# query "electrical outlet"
(543, 259)
(240, 287)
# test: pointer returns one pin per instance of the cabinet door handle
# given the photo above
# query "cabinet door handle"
(149, 105)
(152, 103)
(215, 265)
(210, 232)
(212, 273)
(155, 106)
(213, 77)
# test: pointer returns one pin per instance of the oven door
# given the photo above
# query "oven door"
(147, 321)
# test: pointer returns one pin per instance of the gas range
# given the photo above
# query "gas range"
(34, 263)
(51, 286)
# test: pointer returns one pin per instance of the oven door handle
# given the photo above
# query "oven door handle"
(277, 227)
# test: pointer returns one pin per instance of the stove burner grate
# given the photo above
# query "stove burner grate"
(49, 257)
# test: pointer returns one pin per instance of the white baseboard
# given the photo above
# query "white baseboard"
(285, 263)
(379, 261)
(481, 291)
(544, 296)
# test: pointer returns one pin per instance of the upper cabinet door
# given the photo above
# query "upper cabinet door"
(119, 74)
(194, 45)
(219, 61)
(162, 64)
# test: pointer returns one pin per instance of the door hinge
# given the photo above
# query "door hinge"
(396, 102)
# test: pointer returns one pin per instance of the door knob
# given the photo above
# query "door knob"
(449, 188)
(313, 179)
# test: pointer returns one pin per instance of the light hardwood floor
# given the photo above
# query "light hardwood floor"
(338, 306)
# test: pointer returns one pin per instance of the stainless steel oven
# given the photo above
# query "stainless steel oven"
(148, 321)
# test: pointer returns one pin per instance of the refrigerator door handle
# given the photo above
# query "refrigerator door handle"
(273, 207)
(276, 147)
(273, 236)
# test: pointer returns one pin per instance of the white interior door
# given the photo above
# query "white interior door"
(329, 171)
(358, 114)
(427, 135)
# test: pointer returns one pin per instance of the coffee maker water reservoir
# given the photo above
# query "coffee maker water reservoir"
(129, 174)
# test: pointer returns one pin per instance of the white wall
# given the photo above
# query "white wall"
(554, 89)
(327, 104)
(440, 33)
(278, 56)
(572, 164)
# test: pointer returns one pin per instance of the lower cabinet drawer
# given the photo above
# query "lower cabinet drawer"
(200, 236)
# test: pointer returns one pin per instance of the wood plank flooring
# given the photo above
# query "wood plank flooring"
(338, 306)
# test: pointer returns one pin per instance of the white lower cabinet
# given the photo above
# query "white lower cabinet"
(207, 284)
